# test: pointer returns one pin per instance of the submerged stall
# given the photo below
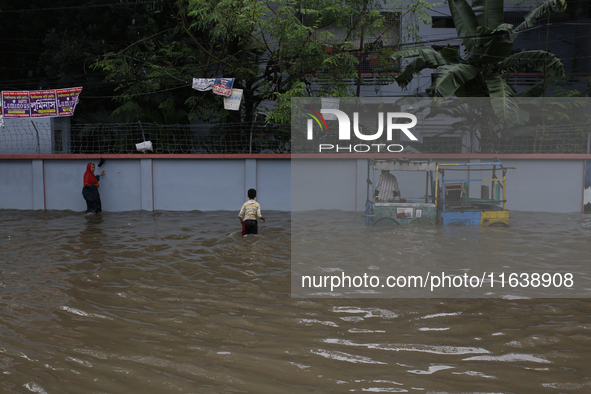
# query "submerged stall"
(447, 198)
(385, 207)
(456, 203)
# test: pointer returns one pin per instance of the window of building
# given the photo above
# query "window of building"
(442, 22)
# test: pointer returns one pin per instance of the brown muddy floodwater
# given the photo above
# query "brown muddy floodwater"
(179, 302)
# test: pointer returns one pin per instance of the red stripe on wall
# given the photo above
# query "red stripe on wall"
(445, 156)
(361, 156)
(148, 156)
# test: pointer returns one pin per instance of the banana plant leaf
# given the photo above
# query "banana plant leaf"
(450, 77)
(529, 60)
(538, 89)
(465, 21)
(544, 8)
(489, 13)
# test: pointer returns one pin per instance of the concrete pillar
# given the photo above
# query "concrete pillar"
(474, 188)
(361, 192)
(38, 184)
(147, 187)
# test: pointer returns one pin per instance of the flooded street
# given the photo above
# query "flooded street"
(179, 302)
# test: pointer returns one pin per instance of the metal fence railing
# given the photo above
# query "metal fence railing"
(28, 137)
(34, 138)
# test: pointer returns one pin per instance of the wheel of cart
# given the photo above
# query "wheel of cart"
(369, 216)
(423, 221)
(385, 221)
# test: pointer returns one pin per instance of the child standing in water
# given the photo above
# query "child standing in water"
(251, 211)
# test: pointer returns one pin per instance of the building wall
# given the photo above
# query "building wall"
(146, 184)
(546, 186)
(284, 184)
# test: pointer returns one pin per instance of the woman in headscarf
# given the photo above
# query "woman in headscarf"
(90, 190)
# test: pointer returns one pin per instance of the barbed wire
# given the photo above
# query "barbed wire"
(24, 137)
(564, 139)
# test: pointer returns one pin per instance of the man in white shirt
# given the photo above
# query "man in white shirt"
(387, 185)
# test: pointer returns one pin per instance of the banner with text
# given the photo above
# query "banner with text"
(233, 101)
(40, 103)
(223, 86)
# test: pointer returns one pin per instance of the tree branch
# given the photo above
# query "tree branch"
(143, 39)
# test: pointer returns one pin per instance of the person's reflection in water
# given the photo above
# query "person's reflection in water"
(84, 275)
(91, 238)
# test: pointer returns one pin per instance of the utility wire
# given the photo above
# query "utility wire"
(83, 6)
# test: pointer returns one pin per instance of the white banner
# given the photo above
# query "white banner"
(203, 84)
(233, 101)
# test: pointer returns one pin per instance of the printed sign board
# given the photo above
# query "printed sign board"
(233, 101)
(203, 84)
(223, 86)
(40, 103)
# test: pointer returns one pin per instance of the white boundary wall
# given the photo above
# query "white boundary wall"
(203, 184)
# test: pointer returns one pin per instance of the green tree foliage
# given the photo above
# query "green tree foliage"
(483, 69)
(488, 42)
(136, 58)
(274, 49)
(21, 31)
(48, 45)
